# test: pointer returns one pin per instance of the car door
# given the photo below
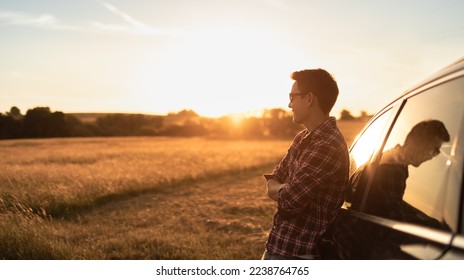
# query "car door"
(344, 236)
(405, 201)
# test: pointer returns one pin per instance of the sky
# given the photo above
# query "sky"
(217, 57)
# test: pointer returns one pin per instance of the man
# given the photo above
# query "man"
(309, 183)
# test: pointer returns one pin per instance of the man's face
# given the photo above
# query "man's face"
(423, 152)
(299, 104)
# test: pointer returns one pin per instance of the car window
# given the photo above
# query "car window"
(410, 180)
(367, 144)
(369, 140)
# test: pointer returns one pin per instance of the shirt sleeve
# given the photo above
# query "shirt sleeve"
(316, 171)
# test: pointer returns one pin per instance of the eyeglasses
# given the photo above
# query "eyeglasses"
(292, 95)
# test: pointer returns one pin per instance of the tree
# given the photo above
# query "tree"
(40, 122)
(279, 123)
(78, 129)
(15, 113)
(36, 123)
(11, 124)
(129, 124)
(345, 115)
(252, 128)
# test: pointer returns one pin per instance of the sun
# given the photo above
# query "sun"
(237, 119)
(216, 72)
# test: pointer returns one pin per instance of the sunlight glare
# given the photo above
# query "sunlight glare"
(215, 73)
(367, 142)
(237, 119)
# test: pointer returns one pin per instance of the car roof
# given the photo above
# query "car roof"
(453, 67)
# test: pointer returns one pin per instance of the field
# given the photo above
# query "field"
(137, 198)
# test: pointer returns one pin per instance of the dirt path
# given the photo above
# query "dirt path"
(221, 218)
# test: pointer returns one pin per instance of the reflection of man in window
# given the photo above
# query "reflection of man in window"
(422, 143)
(386, 192)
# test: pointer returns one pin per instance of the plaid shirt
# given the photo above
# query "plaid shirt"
(315, 170)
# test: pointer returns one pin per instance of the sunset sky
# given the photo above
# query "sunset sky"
(215, 56)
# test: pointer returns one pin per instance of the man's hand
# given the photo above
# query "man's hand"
(273, 188)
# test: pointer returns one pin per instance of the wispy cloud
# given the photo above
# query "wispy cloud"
(132, 25)
(24, 19)
(48, 21)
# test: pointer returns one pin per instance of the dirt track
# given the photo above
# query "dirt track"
(221, 218)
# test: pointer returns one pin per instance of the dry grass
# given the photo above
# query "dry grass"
(62, 175)
(135, 198)
(54, 184)
(225, 218)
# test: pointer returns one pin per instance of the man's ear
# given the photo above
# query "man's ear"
(311, 97)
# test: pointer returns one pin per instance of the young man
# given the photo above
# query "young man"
(309, 183)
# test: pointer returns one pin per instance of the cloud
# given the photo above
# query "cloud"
(41, 21)
(132, 25)
(47, 21)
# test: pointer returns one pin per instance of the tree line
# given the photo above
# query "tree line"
(41, 122)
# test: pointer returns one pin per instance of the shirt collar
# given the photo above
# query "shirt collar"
(325, 127)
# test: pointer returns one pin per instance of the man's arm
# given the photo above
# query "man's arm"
(322, 162)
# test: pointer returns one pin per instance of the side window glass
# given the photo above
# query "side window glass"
(369, 141)
(409, 183)
(360, 154)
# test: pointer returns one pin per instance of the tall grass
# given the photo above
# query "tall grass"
(59, 176)
(25, 235)
(86, 198)
(48, 179)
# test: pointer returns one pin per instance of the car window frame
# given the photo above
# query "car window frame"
(460, 142)
(459, 74)
(432, 235)
(461, 207)
(374, 158)
(400, 103)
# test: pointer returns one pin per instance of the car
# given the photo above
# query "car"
(405, 199)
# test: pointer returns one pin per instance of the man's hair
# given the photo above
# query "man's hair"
(424, 130)
(320, 83)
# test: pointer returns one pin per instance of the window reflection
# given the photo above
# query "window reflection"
(409, 182)
(368, 142)
(416, 179)
(422, 144)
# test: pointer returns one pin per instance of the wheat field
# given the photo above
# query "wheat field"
(136, 197)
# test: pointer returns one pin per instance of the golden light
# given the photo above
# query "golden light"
(214, 72)
(237, 119)
(367, 142)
